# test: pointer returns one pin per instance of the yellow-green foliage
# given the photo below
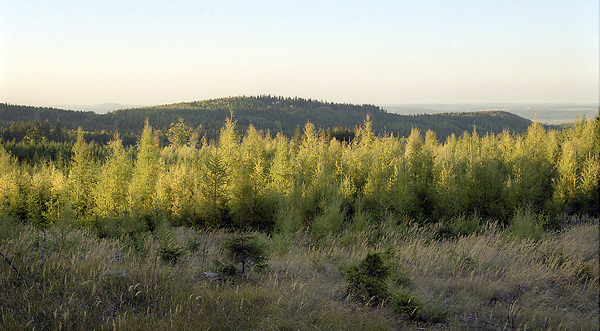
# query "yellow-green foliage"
(82, 179)
(112, 187)
(243, 183)
(145, 176)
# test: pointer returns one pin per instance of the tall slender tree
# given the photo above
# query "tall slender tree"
(112, 188)
(82, 178)
(145, 175)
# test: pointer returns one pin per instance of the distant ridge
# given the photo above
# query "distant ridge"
(269, 113)
(547, 113)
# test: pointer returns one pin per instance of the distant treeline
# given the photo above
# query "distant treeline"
(269, 114)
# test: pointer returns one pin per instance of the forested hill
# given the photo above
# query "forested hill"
(265, 113)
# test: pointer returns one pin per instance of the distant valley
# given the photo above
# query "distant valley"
(99, 109)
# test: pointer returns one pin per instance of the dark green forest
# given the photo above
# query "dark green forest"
(265, 113)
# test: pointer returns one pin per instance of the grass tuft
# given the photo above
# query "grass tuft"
(488, 279)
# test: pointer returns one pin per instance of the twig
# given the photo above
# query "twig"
(80, 258)
(18, 273)
(46, 259)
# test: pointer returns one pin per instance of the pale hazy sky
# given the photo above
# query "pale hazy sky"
(379, 52)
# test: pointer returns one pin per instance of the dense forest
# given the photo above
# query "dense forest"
(265, 113)
(250, 180)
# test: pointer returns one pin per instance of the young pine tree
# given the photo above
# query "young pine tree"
(179, 134)
(145, 175)
(82, 178)
(112, 188)
(213, 188)
(280, 172)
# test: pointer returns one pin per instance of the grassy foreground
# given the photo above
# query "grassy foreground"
(487, 280)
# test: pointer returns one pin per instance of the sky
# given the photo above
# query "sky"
(363, 52)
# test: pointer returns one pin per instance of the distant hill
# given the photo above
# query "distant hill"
(270, 113)
(554, 114)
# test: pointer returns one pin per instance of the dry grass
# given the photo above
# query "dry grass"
(489, 281)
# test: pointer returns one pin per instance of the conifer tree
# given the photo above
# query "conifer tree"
(307, 155)
(57, 209)
(174, 192)
(488, 174)
(179, 134)
(533, 169)
(420, 172)
(250, 200)
(82, 178)
(229, 142)
(39, 199)
(577, 169)
(14, 184)
(112, 189)
(280, 173)
(447, 169)
(365, 136)
(145, 175)
(382, 158)
(214, 188)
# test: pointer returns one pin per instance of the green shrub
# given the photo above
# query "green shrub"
(193, 245)
(170, 254)
(432, 314)
(168, 251)
(402, 279)
(368, 284)
(404, 303)
(225, 269)
(245, 249)
(527, 225)
(368, 280)
(459, 226)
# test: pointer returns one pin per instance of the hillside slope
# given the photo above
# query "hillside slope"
(276, 114)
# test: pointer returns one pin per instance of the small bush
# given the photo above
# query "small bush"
(170, 254)
(404, 303)
(527, 225)
(432, 314)
(193, 245)
(459, 226)
(368, 284)
(168, 251)
(402, 279)
(227, 270)
(245, 250)
(368, 280)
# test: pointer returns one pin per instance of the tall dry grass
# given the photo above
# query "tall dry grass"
(489, 280)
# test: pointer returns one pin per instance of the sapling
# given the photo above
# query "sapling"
(368, 279)
(245, 249)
